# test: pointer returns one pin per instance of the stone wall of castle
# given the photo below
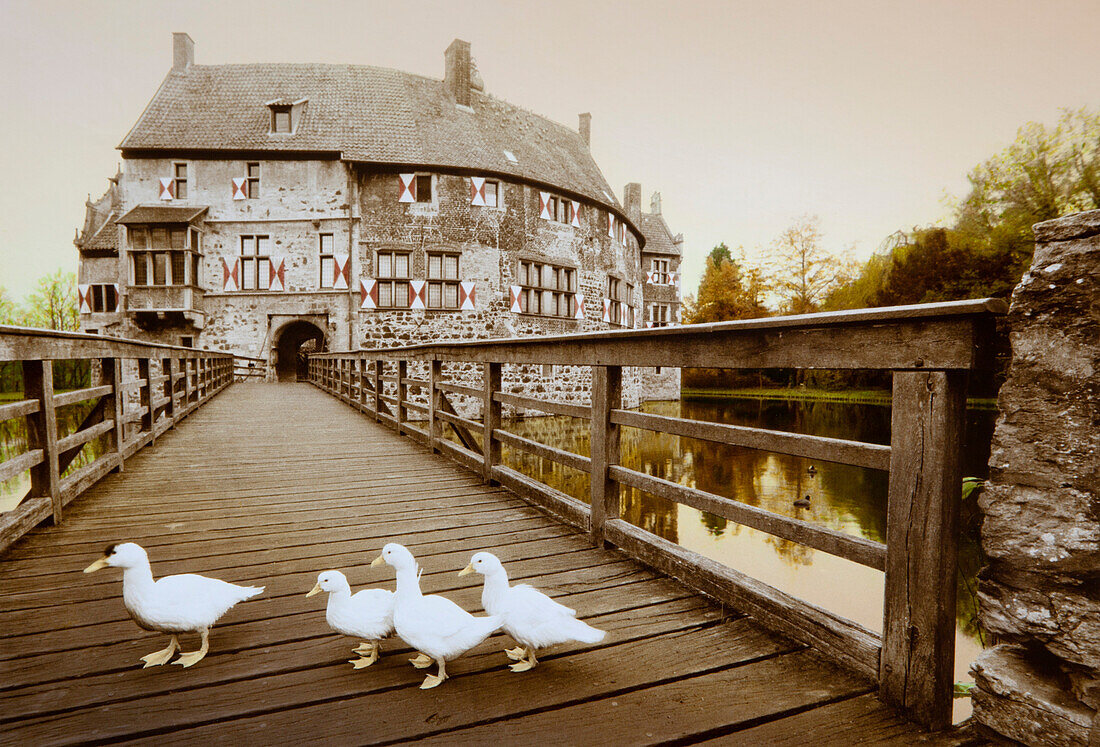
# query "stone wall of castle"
(299, 201)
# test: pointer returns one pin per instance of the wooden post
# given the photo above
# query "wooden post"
(361, 372)
(169, 389)
(435, 375)
(925, 485)
(187, 366)
(42, 432)
(402, 392)
(145, 398)
(377, 391)
(490, 418)
(606, 396)
(113, 406)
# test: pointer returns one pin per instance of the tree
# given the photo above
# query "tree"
(53, 303)
(1045, 173)
(729, 290)
(937, 264)
(9, 312)
(803, 272)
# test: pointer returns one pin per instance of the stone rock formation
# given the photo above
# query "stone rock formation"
(1040, 593)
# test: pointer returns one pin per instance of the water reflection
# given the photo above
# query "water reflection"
(13, 441)
(845, 498)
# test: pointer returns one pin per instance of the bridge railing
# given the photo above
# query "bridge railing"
(246, 368)
(140, 390)
(928, 348)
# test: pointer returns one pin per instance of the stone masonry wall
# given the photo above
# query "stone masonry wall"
(300, 200)
(1040, 593)
(491, 242)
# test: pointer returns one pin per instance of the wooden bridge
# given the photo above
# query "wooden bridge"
(272, 483)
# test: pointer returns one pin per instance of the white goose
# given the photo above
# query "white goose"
(533, 619)
(432, 624)
(366, 614)
(187, 603)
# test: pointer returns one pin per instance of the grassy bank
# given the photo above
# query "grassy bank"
(805, 394)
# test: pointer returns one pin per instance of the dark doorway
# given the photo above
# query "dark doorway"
(296, 341)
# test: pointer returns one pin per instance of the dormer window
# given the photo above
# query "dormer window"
(285, 115)
(281, 118)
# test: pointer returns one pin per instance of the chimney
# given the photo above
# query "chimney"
(632, 201)
(183, 51)
(586, 128)
(655, 203)
(457, 73)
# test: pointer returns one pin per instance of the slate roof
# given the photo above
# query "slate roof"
(162, 214)
(105, 239)
(365, 114)
(658, 239)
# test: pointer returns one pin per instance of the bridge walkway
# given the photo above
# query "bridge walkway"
(270, 484)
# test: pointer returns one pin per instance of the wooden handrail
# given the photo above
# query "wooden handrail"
(170, 383)
(928, 348)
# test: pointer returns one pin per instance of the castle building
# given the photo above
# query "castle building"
(267, 209)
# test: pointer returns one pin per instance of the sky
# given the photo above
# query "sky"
(744, 115)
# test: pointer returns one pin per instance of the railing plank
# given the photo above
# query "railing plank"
(856, 549)
(88, 475)
(469, 459)
(554, 408)
(926, 336)
(568, 458)
(453, 419)
(79, 395)
(554, 502)
(873, 456)
(21, 463)
(32, 511)
(469, 391)
(19, 409)
(415, 407)
(84, 436)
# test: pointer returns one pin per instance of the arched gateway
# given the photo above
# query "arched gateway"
(295, 341)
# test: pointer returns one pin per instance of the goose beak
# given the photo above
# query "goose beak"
(101, 563)
(467, 570)
(377, 561)
(315, 590)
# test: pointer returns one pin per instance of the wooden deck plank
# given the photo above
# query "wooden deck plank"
(859, 720)
(251, 501)
(387, 705)
(661, 713)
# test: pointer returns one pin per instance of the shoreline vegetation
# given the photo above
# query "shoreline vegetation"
(808, 394)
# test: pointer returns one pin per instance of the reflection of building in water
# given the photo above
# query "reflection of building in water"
(651, 513)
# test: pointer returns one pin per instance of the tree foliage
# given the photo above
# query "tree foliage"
(1047, 172)
(53, 303)
(802, 270)
(8, 310)
(730, 289)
